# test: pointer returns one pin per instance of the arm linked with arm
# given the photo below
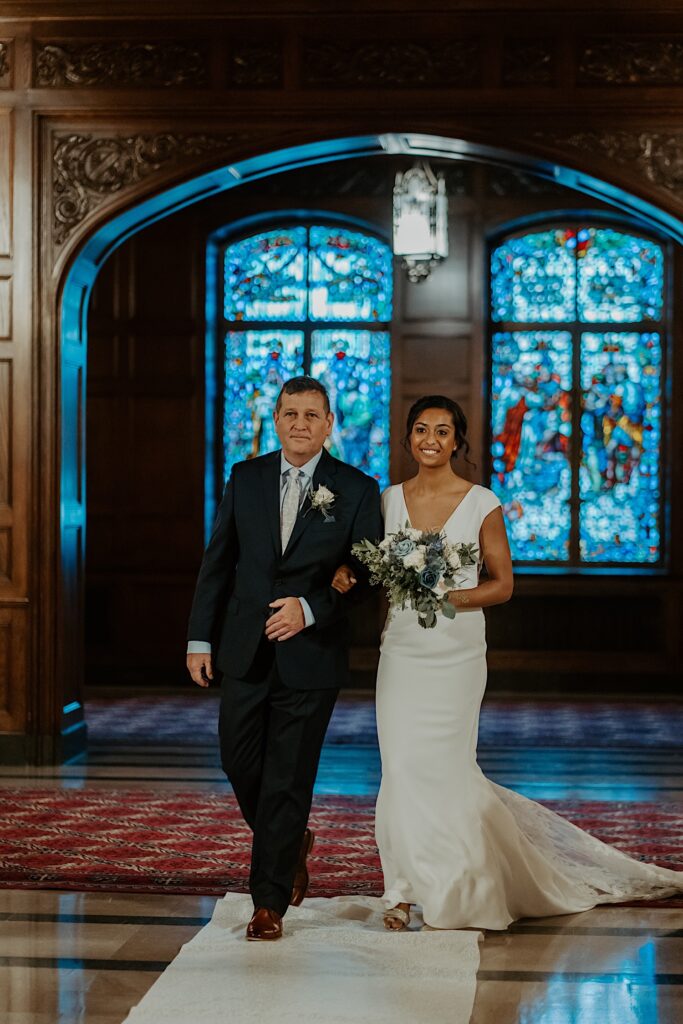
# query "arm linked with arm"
(327, 604)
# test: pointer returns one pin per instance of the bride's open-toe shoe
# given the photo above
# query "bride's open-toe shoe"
(396, 919)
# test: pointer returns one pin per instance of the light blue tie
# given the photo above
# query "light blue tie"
(290, 504)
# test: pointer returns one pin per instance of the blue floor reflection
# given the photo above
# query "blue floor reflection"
(347, 770)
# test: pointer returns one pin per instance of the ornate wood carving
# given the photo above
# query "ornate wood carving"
(658, 156)
(392, 64)
(528, 61)
(5, 68)
(256, 66)
(631, 61)
(120, 64)
(87, 169)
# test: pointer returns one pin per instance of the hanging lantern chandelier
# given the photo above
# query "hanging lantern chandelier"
(420, 220)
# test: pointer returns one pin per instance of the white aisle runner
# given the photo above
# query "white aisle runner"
(335, 965)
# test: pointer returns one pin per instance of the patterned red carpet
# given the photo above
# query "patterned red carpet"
(189, 842)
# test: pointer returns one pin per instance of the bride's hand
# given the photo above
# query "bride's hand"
(343, 579)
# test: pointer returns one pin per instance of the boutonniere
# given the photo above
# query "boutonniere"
(322, 500)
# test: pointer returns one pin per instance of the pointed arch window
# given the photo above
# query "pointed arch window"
(308, 298)
(578, 328)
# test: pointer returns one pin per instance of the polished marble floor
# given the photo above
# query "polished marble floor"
(88, 957)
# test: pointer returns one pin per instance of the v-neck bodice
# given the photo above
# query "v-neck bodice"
(440, 529)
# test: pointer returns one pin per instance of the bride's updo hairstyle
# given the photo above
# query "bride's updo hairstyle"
(456, 413)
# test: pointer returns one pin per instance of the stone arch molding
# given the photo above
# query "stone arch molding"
(97, 175)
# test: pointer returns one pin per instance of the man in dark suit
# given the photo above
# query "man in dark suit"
(286, 522)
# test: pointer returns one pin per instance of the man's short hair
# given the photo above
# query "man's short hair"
(298, 386)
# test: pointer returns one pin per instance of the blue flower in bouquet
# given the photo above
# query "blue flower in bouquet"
(404, 547)
(436, 545)
(430, 576)
(436, 562)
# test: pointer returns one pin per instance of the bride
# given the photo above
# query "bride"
(469, 852)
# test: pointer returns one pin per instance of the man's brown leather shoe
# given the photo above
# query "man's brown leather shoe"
(300, 887)
(264, 926)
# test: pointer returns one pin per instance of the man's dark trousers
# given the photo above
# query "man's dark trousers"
(270, 739)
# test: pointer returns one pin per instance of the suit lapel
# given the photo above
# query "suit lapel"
(270, 469)
(324, 474)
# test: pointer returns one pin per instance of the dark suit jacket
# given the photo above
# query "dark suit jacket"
(244, 569)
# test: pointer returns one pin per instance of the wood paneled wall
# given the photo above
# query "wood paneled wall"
(103, 109)
(14, 441)
(145, 455)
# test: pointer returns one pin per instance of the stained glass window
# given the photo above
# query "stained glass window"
(531, 400)
(620, 444)
(265, 277)
(310, 299)
(576, 412)
(350, 276)
(620, 278)
(355, 368)
(257, 363)
(533, 279)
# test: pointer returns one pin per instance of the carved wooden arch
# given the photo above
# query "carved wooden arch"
(108, 184)
(98, 176)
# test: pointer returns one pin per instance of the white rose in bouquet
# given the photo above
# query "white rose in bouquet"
(454, 559)
(416, 559)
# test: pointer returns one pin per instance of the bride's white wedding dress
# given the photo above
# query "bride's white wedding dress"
(470, 852)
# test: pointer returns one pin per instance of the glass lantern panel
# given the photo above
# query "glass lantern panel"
(257, 363)
(350, 276)
(619, 479)
(531, 439)
(355, 367)
(265, 276)
(621, 277)
(533, 278)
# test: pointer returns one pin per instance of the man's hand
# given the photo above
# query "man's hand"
(344, 579)
(195, 663)
(287, 621)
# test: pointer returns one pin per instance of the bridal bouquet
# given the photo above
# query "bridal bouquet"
(418, 569)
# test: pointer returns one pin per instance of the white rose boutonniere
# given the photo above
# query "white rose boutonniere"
(322, 500)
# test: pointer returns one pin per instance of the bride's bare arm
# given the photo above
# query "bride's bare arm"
(497, 589)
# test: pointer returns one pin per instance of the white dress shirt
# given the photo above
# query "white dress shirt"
(203, 646)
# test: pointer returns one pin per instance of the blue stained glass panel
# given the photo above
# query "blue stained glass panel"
(621, 428)
(620, 277)
(350, 276)
(355, 367)
(531, 439)
(533, 278)
(257, 363)
(265, 276)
